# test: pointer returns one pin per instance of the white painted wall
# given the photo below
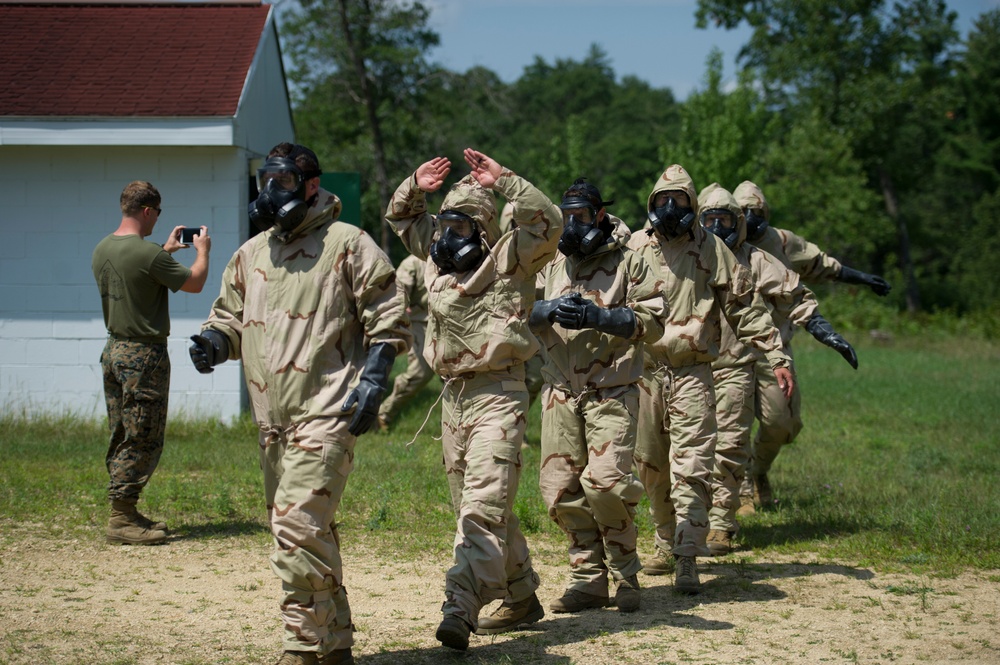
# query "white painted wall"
(56, 203)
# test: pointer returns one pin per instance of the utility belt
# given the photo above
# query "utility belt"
(137, 340)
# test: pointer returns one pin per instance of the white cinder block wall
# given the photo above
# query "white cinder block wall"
(56, 203)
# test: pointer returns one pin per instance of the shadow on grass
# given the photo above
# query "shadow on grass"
(755, 534)
(218, 529)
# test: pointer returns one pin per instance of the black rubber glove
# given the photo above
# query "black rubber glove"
(210, 348)
(577, 312)
(544, 311)
(877, 284)
(824, 333)
(367, 395)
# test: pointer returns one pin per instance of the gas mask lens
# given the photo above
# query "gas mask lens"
(578, 215)
(286, 180)
(459, 223)
(717, 219)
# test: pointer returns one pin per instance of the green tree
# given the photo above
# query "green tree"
(814, 178)
(724, 135)
(878, 74)
(359, 73)
(571, 119)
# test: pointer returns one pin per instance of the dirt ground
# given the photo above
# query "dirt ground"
(195, 601)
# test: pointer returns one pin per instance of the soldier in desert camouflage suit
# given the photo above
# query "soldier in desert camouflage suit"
(303, 305)
(675, 449)
(480, 287)
(781, 420)
(789, 303)
(600, 302)
(410, 276)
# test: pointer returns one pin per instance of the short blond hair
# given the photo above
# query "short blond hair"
(137, 195)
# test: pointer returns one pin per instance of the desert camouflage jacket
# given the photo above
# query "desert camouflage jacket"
(787, 300)
(478, 319)
(701, 282)
(797, 253)
(613, 276)
(410, 275)
(302, 314)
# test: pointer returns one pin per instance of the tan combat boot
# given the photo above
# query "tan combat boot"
(125, 527)
(574, 600)
(746, 506)
(662, 563)
(686, 579)
(147, 523)
(720, 542)
(510, 616)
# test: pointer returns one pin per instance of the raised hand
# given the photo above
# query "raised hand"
(485, 170)
(431, 175)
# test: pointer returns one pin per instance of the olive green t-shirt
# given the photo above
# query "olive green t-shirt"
(133, 276)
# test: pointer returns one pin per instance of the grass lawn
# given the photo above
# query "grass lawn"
(896, 468)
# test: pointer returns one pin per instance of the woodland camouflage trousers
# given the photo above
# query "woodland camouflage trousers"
(136, 387)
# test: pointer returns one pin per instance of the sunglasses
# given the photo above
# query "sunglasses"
(158, 210)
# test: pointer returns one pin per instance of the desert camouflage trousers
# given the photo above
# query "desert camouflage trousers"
(734, 412)
(416, 375)
(482, 427)
(136, 387)
(780, 420)
(586, 480)
(305, 472)
(675, 453)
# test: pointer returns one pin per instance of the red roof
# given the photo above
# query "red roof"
(126, 60)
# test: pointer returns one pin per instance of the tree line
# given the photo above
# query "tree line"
(873, 129)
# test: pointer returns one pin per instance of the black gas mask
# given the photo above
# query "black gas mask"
(453, 252)
(282, 196)
(756, 225)
(580, 236)
(726, 232)
(671, 220)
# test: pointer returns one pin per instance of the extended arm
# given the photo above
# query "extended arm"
(824, 333)
(877, 284)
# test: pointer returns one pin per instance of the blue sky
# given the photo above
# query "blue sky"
(639, 36)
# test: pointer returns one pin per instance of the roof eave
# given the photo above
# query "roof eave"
(63, 130)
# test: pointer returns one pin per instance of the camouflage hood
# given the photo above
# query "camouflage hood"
(620, 232)
(470, 198)
(716, 197)
(749, 195)
(674, 178)
(326, 208)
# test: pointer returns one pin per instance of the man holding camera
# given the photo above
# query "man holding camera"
(133, 276)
